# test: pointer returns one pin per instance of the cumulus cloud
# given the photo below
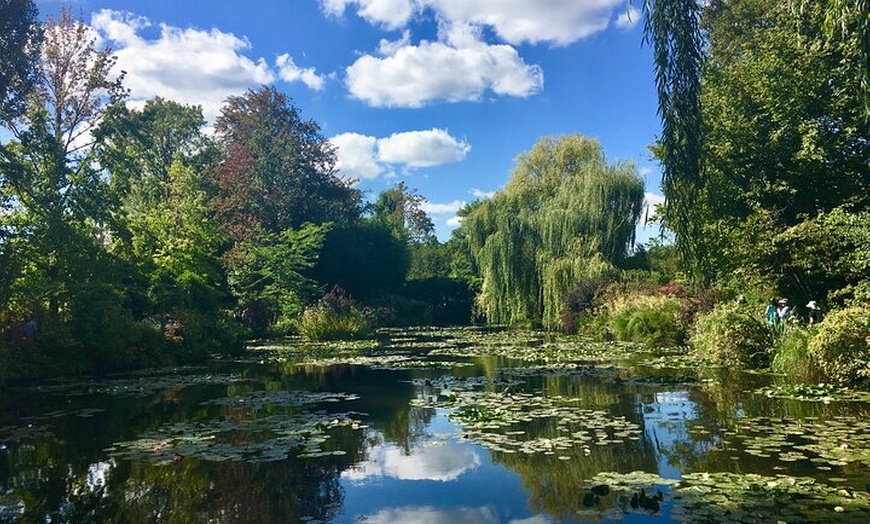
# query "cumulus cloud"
(415, 75)
(517, 21)
(422, 148)
(628, 18)
(191, 66)
(356, 156)
(390, 14)
(454, 222)
(290, 72)
(442, 209)
(514, 21)
(367, 157)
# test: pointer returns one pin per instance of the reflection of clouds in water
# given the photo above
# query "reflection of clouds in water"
(432, 515)
(97, 474)
(537, 519)
(444, 463)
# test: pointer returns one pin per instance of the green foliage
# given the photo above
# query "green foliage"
(334, 317)
(19, 49)
(276, 170)
(565, 215)
(365, 259)
(791, 356)
(672, 26)
(653, 319)
(732, 335)
(401, 210)
(841, 346)
(270, 270)
(786, 147)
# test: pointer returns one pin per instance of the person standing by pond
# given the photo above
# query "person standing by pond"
(783, 311)
(814, 314)
(771, 315)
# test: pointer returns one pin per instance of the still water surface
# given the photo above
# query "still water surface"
(433, 426)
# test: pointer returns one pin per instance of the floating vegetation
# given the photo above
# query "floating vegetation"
(723, 497)
(218, 440)
(447, 383)
(253, 439)
(560, 351)
(136, 386)
(814, 393)
(498, 421)
(259, 399)
(834, 441)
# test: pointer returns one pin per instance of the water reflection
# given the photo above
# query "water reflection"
(436, 460)
(497, 440)
(433, 515)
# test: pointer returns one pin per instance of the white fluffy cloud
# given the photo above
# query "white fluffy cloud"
(415, 75)
(390, 14)
(478, 193)
(367, 157)
(422, 148)
(356, 156)
(290, 72)
(442, 209)
(516, 21)
(190, 66)
(558, 22)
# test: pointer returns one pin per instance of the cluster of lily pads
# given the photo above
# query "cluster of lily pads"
(500, 422)
(137, 385)
(722, 497)
(253, 438)
(834, 441)
(814, 393)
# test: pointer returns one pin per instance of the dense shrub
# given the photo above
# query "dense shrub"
(841, 346)
(646, 318)
(732, 335)
(791, 356)
(578, 302)
(334, 317)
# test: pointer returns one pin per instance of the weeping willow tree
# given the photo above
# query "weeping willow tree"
(565, 215)
(673, 29)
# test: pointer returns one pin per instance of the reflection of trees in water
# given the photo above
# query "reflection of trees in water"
(551, 482)
(188, 491)
(385, 397)
(706, 443)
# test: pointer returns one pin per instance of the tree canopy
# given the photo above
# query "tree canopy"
(565, 214)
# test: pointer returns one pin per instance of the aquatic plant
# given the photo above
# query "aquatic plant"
(791, 356)
(651, 319)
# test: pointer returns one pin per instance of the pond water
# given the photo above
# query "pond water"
(436, 426)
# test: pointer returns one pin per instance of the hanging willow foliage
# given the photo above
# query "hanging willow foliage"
(672, 26)
(565, 215)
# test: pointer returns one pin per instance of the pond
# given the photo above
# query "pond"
(436, 426)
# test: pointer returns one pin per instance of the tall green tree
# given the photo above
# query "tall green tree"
(565, 215)
(58, 197)
(787, 144)
(277, 194)
(401, 209)
(672, 27)
(139, 147)
(277, 170)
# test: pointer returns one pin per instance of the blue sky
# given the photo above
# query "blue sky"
(440, 94)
